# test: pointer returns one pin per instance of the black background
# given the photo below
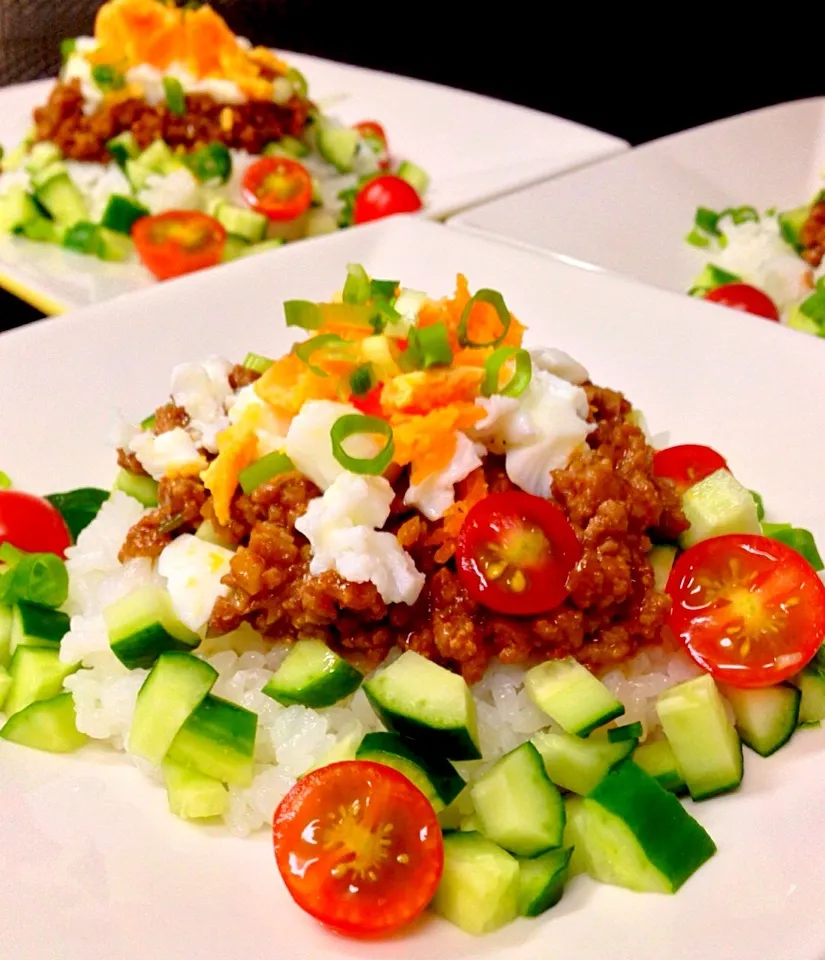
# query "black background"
(636, 75)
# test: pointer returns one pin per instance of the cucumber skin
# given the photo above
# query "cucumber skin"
(673, 781)
(651, 813)
(49, 684)
(535, 899)
(64, 738)
(193, 795)
(227, 731)
(143, 648)
(769, 748)
(324, 690)
(580, 782)
(445, 781)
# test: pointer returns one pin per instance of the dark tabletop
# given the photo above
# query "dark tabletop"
(636, 76)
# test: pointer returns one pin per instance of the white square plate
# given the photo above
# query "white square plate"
(473, 147)
(93, 865)
(631, 213)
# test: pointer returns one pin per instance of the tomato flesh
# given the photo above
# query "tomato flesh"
(687, 463)
(32, 524)
(359, 847)
(384, 196)
(514, 553)
(369, 403)
(750, 610)
(744, 297)
(177, 242)
(278, 187)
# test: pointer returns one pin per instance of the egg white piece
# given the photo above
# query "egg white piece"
(193, 570)
(436, 493)
(172, 451)
(561, 364)
(202, 389)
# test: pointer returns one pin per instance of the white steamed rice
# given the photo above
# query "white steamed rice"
(290, 739)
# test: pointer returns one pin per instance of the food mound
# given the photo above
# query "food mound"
(356, 546)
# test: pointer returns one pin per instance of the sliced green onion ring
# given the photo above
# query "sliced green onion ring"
(522, 374)
(362, 379)
(357, 285)
(302, 313)
(303, 351)
(263, 470)
(5, 480)
(495, 299)
(148, 423)
(257, 363)
(352, 424)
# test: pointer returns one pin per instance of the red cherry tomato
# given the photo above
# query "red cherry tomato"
(359, 847)
(744, 297)
(514, 553)
(376, 136)
(370, 402)
(687, 463)
(32, 524)
(749, 610)
(278, 187)
(176, 242)
(382, 197)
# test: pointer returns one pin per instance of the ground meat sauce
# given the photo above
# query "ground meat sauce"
(813, 235)
(241, 376)
(608, 491)
(245, 126)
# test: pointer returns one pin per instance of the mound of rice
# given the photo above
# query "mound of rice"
(292, 739)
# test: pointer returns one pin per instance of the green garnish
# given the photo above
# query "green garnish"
(257, 362)
(302, 313)
(175, 96)
(798, 539)
(67, 48)
(383, 288)
(5, 481)
(357, 285)
(212, 162)
(303, 351)
(495, 299)
(148, 423)
(39, 578)
(78, 507)
(263, 470)
(427, 347)
(814, 306)
(697, 239)
(362, 379)
(107, 78)
(298, 81)
(760, 505)
(352, 424)
(522, 373)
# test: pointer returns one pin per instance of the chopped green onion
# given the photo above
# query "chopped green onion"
(263, 470)
(79, 507)
(175, 96)
(355, 423)
(257, 363)
(303, 351)
(430, 346)
(798, 539)
(302, 313)
(707, 220)
(697, 239)
(814, 305)
(148, 423)
(211, 162)
(107, 78)
(495, 299)
(522, 373)
(39, 578)
(760, 504)
(67, 48)
(357, 285)
(740, 215)
(362, 379)
(383, 288)
(5, 480)
(298, 81)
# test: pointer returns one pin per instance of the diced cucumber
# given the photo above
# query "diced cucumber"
(63, 200)
(5, 634)
(41, 230)
(287, 146)
(345, 749)
(208, 532)
(34, 626)
(46, 725)
(661, 559)
(17, 210)
(338, 145)
(312, 675)
(573, 763)
(428, 704)
(247, 224)
(766, 717)
(191, 794)
(479, 889)
(42, 155)
(517, 805)
(121, 213)
(177, 683)
(137, 173)
(41, 176)
(218, 739)
(233, 248)
(122, 148)
(542, 881)
(575, 817)
(470, 824)
(633, 833)
(143, 625)
(274, 243)
(37, 673)
(5, 685)
(113, 247)
(658, 760)
(717, 505)
(812, 705)
(435, 777)
(569, 693)
(791, 223)
(83, 237)
(710, 278)
(141, 488)
(417, 178)
(798, 320)
(704, 741)
(158, 157)
(320, 222)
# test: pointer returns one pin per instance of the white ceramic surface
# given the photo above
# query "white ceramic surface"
(473, 148)
(630, 214)
(92, 863)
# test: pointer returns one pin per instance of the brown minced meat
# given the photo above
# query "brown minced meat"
(608, 492)
(246, 126)
(813, 235)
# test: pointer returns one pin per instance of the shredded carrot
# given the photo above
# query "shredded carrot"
(237, 449)
(427, 442)
(468, 493)
(483, 325)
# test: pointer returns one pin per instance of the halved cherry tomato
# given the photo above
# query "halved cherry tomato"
(278, 187)
(744, 297)
(176, 242)
(750, 610)
(376, 135)
(382, 197)
(369, 403)
(32, 524)
(687, 463)
(359, 847)
(514, 553)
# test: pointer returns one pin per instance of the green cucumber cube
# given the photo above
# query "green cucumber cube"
(717, 505)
